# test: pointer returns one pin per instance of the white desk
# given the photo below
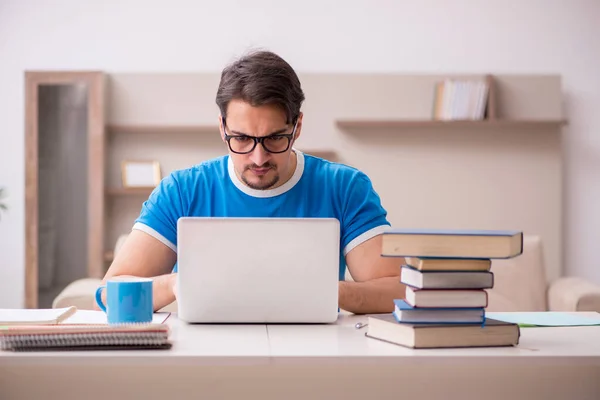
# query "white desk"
(312, 362)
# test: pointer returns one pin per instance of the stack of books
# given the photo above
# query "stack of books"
(461, 99)
(446, 275)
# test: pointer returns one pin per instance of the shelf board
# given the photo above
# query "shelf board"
(129, 191)
(404, 123)
(163, 129)
(325, 154)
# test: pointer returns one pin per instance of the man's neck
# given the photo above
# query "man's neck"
(292, 169)
(290, 172)
(286, 181)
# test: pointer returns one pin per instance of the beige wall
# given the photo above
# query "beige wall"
(502, 177)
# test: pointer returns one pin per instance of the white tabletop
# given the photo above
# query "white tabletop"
(259, 344)
(564, 344)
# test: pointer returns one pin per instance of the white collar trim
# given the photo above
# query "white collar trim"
(269, 192)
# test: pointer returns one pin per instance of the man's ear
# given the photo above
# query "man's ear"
(222, 127)
(298, 126)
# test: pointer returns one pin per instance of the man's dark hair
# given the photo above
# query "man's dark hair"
(260, 78)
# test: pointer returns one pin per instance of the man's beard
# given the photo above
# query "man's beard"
(262, 183)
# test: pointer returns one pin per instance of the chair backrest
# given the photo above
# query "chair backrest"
(520, 283)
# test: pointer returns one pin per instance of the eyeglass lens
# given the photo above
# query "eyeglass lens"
(245, 144)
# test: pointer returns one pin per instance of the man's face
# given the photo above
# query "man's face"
(260, 169)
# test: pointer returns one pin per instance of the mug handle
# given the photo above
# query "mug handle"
(99, 298)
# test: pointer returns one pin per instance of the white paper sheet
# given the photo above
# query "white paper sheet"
(93, 317)
(28, 316)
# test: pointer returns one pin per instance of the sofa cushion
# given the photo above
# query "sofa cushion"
(79, 293)
(520, 283)
(571, 293)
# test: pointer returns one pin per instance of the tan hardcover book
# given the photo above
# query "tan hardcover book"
(438, 103)
(449, 264)
(452, 243)
(492, 333)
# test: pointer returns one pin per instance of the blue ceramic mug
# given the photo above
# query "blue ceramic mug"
(128, 300)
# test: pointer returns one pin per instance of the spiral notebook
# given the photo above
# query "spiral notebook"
(84, 337)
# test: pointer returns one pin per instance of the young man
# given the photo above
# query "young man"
(259, 98)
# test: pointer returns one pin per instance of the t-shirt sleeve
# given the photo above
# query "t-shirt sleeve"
(364, 215)
(160, 212)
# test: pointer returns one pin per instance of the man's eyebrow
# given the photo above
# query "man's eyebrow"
(280, 131)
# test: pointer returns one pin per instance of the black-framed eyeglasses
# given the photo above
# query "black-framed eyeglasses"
(244, 144)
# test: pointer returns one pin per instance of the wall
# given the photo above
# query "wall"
(315, 36)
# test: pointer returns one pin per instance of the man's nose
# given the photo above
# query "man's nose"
(259, 155)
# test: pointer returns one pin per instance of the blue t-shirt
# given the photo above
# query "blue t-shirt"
(317, 189)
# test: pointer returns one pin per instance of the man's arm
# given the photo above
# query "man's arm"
(143, 255)
(376, 280)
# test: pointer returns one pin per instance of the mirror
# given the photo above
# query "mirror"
(62, 188)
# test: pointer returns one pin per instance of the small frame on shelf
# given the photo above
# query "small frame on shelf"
(140, 174)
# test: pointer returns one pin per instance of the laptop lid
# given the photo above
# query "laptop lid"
(258, 270)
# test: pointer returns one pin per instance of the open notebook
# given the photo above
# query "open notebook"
(27, 316)
(72, 329)
(68, 315)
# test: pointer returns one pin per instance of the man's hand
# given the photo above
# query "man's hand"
(144, 256)
(163, 290)
(376, 280)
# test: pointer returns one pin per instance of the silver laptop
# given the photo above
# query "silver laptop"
(258, 270)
